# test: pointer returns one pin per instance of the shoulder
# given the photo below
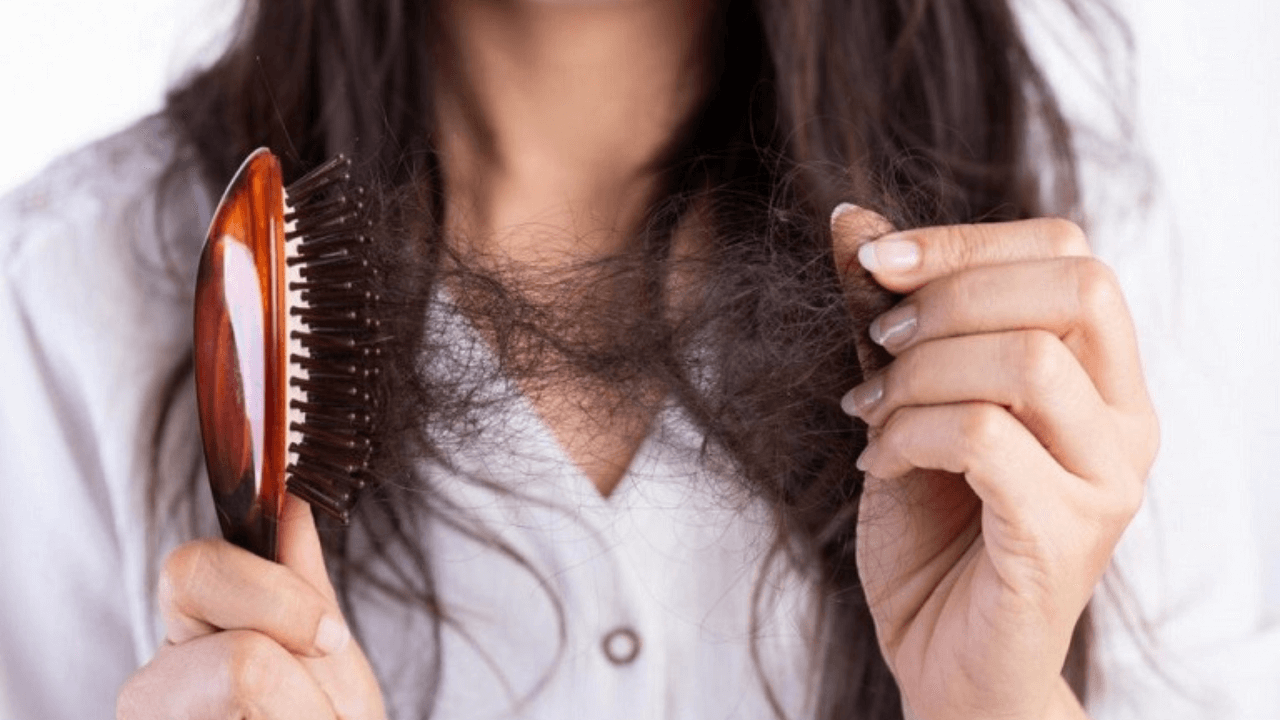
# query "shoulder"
(96, 253)
(101, 235)
(124, 190)
(97, 259)
(97, 263)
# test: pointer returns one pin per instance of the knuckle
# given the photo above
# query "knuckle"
(1124, 499)
(255, 669)
(1097, 289)
(1131, 497)
(1041, 360)
(957, 247)
(982, 429)
(1065, 237)
(1152, 434)
(1124, 490)
(297, 618)
(181, 574)
(1142, 433)
(893, 435)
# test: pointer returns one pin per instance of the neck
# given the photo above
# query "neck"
(575, 103)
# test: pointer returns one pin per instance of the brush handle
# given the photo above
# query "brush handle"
(241, 355)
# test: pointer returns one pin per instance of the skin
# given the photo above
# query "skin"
(249, 638)
(241, 631)
(566, 180)
(1011, 437)
(1011, 434)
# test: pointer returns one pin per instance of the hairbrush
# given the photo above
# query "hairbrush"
(286, 345)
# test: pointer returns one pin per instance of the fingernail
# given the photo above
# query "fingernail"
(889, 255)
(895, 327)
(862, 398)
(841, 210)
(864, 461)
(332, 635)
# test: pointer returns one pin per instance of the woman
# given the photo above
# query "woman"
(616, 269)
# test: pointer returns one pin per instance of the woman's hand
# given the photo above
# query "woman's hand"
(1010, 440)
(249, 638)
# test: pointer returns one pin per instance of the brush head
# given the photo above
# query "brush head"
(286, 347)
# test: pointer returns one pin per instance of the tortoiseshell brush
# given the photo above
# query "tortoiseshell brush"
(285, 347)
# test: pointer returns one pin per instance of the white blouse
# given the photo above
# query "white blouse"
(634, 606)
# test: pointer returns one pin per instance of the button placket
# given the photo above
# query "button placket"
(619, 622)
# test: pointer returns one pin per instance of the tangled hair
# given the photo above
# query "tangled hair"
(927, 111)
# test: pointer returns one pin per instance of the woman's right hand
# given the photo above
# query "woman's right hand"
(249, 638)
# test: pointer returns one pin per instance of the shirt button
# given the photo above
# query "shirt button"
(621, 646)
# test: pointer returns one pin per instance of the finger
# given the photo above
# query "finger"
(1002, 461)
(239, 674)
(1031, 505)
(179, 626)
(299, 546)
(977, 439)
(906, 261)
(851, 227)
(1077, 299)
(1030, 372)
(344, 674)
(210, 585)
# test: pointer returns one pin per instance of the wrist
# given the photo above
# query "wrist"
(1063, 705)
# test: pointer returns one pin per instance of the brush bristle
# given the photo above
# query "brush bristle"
(333, 338)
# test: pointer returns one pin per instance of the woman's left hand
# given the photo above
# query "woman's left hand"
(1010, 440)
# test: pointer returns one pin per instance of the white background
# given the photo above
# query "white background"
(1207, 109)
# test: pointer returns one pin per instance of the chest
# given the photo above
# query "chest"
(658, 601)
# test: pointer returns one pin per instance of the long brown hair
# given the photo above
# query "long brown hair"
(924, 110)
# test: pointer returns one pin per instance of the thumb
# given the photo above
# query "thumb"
(345, 674)
(852, 227)
(298, 546)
